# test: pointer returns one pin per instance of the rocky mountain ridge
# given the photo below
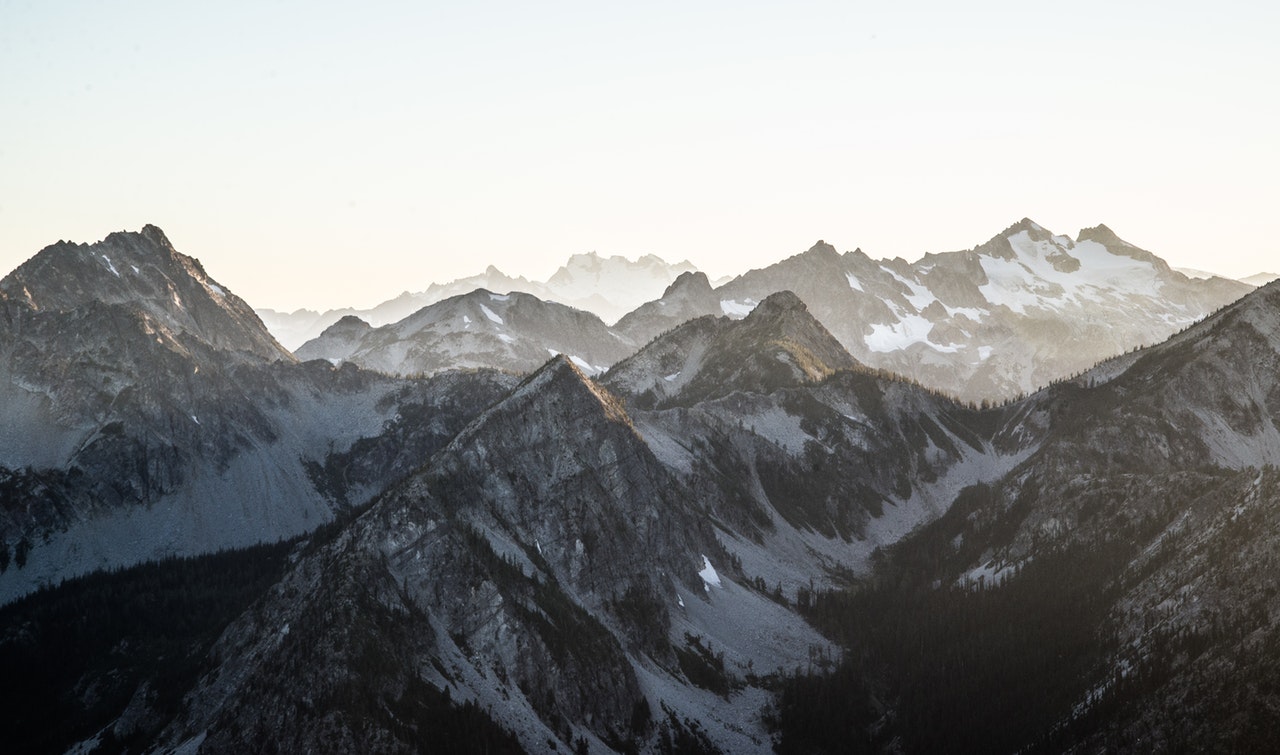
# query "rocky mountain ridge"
(145, 411)
(992, 322)
(515, 332)
(1001, 320)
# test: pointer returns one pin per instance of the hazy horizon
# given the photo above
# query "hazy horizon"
(323, 156)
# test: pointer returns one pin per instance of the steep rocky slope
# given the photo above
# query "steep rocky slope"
(1204, 400)
(594, 573)
(807, 460)
(1128, 555)
(544, 566)
(145, 411)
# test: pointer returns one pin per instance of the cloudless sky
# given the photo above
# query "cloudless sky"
(326, 154)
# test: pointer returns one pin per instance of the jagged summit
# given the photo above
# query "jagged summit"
(819, 258)
(777, 305)
(779, 343)
(1102, 234)
(783, 322)
(558, 369)
(350, 322)
(1107, 238)
(695, 282)
(559, 381)
(1028, 225)
(822, 248)
(156, 236)
(142, 273)
(1000, 246)
(594, 264)
(784, 314)
(688, 297)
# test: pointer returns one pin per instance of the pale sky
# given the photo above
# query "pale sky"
(324, 154)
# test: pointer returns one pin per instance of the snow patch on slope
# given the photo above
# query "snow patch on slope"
(1030, 281)
(909, 329)
(708, 574)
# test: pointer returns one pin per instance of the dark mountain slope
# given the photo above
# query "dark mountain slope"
(537, 564)
(1116, 589)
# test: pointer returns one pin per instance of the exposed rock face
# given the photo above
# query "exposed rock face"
(515, 332)
(1155, 493)
(568, 560)
(537, 561)
(145, 411)
(785, 436)
(142, 271)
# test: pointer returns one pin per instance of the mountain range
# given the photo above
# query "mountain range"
(515, 332)
(992, 323)
(695, 531)
(609, 287)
